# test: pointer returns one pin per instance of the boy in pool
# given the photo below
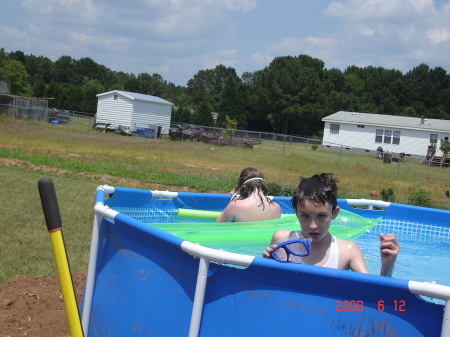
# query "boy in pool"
(315, 204)
(252, 204)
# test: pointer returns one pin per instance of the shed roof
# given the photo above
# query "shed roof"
(389, 121)
(136, 96)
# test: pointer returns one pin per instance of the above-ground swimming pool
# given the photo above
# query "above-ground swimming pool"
(144, 281)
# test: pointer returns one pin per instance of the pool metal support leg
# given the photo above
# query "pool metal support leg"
(197, 308)
(446, 320)
(90, 279)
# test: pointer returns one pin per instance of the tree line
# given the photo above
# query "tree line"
(291, 95)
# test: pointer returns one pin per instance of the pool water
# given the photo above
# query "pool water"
(417, 261)
(424, 255)
(422, 258)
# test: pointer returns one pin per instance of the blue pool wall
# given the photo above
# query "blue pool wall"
(127, 197)
(145, 284)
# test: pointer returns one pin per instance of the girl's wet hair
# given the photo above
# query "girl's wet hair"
(245, 190)
(320, 188)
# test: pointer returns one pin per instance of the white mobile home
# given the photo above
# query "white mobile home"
(409, 135)
(136, 111)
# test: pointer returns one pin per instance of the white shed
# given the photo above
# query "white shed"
(397, 134)
(133, 110)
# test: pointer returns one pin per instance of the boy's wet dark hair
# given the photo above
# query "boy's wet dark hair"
(319, 188)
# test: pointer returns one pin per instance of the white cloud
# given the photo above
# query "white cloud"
(437, 36)
(180, 37)
(244, 5)
(321, 42)
(375, 10)
(261, 59)
(408, 30)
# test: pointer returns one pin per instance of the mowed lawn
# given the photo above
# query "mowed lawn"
(79, 159)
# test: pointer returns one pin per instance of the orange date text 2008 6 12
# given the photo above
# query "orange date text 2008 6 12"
(359, 305)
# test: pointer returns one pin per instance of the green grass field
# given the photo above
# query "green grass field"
(79, 159)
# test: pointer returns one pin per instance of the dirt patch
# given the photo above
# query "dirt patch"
(202, 166)
(103, 178)
(33, 306)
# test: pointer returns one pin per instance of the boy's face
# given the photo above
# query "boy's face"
(315, 219)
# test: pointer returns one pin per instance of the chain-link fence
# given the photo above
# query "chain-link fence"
(26, 108)
(245, 138)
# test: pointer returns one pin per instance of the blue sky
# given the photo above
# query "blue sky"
(177, 38)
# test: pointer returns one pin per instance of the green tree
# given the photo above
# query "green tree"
(15, 73)
(158, 85)
(182, 113)
(208, 84)
(39, 88)
(202, 116)
(231, 104)
(145, 83)
(132, 84)
(72, 98)
(292, 85)
(90, 91)
(65, 69)
(445, 148)
(53, 92)
(408, 112)
(86, 67)
(200, 85)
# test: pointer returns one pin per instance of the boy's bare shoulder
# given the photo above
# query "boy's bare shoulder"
(348, 248)
(346, 243)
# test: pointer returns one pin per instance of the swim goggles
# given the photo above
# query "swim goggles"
(292, 249)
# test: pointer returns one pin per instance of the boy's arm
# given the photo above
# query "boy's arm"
(389, 249)
(277, 236)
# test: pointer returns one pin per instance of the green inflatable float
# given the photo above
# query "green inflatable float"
(253, 237)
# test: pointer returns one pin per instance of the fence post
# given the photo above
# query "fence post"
(340, 154)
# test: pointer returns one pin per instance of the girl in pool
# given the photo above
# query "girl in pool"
(249, 201)
(315, 204)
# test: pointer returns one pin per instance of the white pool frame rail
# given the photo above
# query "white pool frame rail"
(207, 255)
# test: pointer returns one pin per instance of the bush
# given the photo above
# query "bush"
(314, 147)
(275, 189)
(287, 192)
(419, 197)
(387, 194)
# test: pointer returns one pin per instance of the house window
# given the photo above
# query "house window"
(387, 136)
(334, 128)
(396, 138)
(361, 126)
(116, 97)
(379, 136)
(433, 138)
